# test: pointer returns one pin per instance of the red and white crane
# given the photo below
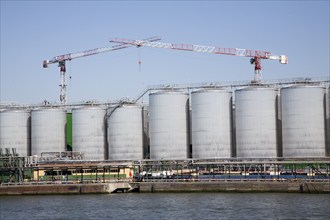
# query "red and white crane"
(256, 55)
(61, 60)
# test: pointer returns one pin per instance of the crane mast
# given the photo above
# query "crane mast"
(61, 60)
(256, 55)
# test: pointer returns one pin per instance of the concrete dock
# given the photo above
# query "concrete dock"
(150, 187)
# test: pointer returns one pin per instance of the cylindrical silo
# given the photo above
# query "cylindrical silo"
(168, 125)
(125, 132)
(47, 130)
(303, 127)
(89, 132)
(15, 131)
(256, 120)
(211, 123)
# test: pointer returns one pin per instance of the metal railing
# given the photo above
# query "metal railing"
(230, 85)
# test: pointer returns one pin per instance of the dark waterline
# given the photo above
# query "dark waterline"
(168, 206)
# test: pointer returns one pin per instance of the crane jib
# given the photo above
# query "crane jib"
(71, 56)
(63, 57)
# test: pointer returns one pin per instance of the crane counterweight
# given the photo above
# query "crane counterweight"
(45, 63)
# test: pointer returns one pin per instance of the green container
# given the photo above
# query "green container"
(69, 131)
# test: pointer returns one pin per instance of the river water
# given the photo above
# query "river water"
(157, 206)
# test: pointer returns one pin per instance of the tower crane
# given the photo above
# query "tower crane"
(61, 60)
(256, 55)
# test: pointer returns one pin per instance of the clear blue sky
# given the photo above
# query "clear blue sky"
(32, 31)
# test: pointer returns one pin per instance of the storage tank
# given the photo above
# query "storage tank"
(125, 132)
(256, 119)
(303, 121)
(211, 123)
(47, 130)
(89, 132)
(168, 125)
(15, 131)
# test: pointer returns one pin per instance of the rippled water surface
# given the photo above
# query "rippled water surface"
(167, 206)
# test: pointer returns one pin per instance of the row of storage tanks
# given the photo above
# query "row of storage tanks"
(261, 122)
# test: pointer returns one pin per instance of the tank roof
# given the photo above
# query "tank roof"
(211, 90)
(298, 86)
(89, 108)
(49, 109)
(255, 88)
(170, 92)
(15, 110)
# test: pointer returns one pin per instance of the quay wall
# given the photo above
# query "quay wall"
(150, 187)
(53, 189)
(228, 186)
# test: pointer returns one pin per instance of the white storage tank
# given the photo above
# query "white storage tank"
(303, 121)
(211, 123)
(125, 132)
(89, 132)
(168, 124)
(47, 130)
(15, 131)
(256, 120)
